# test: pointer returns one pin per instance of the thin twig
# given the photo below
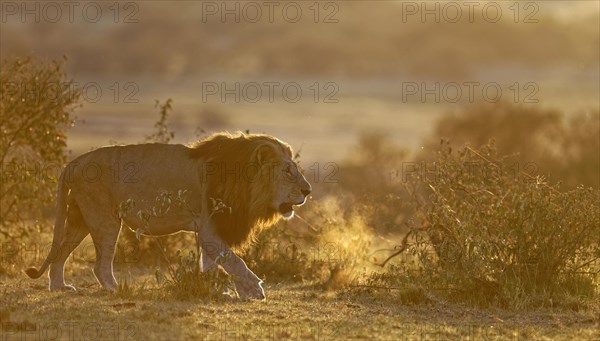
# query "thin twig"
(165, 257)
(397, 288)
(307, 223)
(403, 246)
(495, 164)
(584, 264)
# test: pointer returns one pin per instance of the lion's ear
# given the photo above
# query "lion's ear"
(264, 153)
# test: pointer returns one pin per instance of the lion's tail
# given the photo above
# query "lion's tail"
(59, 227)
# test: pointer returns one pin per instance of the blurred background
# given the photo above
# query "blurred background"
(361, 66)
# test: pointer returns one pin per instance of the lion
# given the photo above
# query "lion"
(253, 175)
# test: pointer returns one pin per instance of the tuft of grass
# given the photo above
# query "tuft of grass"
(186, 281)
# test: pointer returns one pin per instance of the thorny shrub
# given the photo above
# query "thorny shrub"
(35, 110)
(36, 103)
(496, 235)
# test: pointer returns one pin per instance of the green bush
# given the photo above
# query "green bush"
(35, 107)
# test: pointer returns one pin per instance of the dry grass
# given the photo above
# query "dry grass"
(291, 312)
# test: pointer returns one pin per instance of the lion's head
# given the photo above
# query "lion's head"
(255, 176)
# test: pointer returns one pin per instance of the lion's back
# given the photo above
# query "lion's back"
(132, 171)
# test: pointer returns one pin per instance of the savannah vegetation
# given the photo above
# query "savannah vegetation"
(490, 231)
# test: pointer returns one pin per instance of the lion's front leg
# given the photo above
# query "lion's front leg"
(247, 284)
(214, 250)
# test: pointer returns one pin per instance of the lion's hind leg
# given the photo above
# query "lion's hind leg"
(105, 239)
(75, 232)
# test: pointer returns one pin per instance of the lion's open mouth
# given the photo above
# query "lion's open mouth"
(286, 208)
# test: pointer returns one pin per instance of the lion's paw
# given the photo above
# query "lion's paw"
(250, 289)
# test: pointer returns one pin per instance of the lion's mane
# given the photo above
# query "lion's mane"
(248, 194)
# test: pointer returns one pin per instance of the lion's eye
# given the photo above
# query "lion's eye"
(288, 171)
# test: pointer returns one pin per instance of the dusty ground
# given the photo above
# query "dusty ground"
(29, 312)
